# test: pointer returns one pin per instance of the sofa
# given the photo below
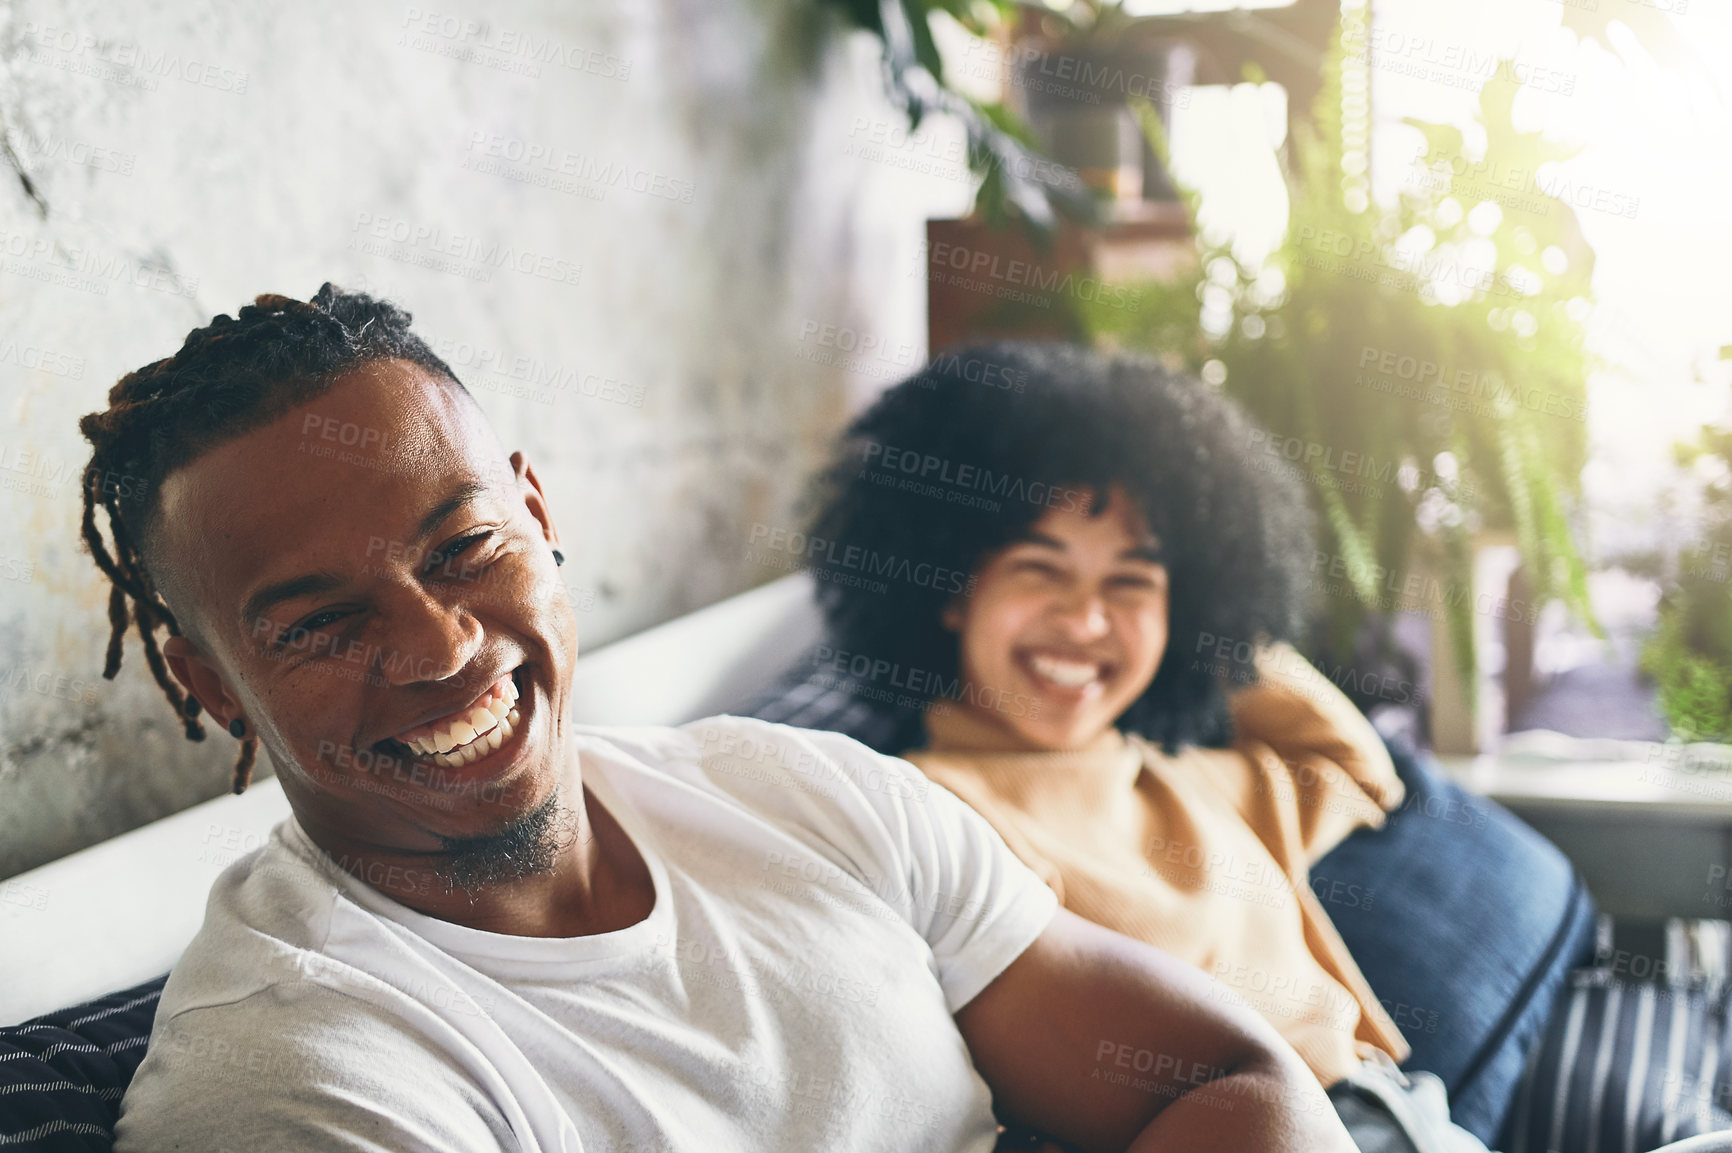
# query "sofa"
(1468, 925)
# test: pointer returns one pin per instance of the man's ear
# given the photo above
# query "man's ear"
(201, 678)
(535, 498)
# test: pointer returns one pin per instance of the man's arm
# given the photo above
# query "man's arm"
(1082, 1034)
(1105, 1043)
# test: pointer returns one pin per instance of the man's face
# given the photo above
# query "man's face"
(366, 567)
(1073, 618)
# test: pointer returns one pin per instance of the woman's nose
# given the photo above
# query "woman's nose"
(1085, 616)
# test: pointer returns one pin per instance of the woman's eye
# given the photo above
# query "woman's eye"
(1138, 582)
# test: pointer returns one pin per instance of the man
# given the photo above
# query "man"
(487, 928)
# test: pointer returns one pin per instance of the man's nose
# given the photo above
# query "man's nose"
(426, 640)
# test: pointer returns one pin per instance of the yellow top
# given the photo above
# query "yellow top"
(1206, 854)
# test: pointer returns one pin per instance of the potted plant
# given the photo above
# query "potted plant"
(1427, 359)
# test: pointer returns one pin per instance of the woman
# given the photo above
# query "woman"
(1132, 578)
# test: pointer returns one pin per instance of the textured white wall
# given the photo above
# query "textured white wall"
(700, 172)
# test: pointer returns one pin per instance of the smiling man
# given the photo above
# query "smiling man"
(487, 928)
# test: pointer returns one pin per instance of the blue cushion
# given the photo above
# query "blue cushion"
(62, 1075)
(1467, 924)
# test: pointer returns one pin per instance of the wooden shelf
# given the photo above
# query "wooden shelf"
(997, 283)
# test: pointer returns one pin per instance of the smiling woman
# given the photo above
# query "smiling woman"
(1116, 605)
(1234, 543)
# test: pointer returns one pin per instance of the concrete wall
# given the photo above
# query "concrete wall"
(690, 175)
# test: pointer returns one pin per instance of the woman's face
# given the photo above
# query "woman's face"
(1066, 626)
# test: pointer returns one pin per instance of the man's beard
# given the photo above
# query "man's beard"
(530, 844)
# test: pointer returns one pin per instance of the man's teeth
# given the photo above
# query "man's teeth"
(1065, 674)
(473, 735)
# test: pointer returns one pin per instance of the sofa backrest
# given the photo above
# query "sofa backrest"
(121, 912)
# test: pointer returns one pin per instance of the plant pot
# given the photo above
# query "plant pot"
(983, 282)
(1468, 718)
(1077, 98)
(996, 282)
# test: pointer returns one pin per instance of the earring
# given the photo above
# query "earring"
(558, 557)
(237, 728)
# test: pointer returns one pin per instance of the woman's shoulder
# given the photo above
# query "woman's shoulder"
(1229, 775)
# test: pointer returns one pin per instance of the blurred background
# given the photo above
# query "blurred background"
(1464, 262)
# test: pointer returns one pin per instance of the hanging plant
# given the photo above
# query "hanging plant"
(1016, 182)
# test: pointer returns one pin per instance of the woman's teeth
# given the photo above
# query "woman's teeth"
(473, 735)
(1063, 673)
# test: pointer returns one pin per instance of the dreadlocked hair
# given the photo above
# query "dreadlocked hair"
(234, 375)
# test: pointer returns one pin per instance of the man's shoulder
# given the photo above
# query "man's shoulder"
(282, 1021)
(690, 737)
(268, 1032)
(294, 1062)
(829, 793)
(279, 924)
(740, 755)
(264, 912)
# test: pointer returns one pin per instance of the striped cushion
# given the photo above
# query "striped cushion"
(1626, 1067)
(62, 1075)
(808, 696)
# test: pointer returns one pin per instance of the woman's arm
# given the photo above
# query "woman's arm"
(1312, 743)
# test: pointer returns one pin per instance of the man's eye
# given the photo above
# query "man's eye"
(309, 625)
(454, 549)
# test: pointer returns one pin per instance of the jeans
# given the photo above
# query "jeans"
(1387, 1111)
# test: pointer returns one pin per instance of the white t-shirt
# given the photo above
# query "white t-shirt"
(820, 913)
